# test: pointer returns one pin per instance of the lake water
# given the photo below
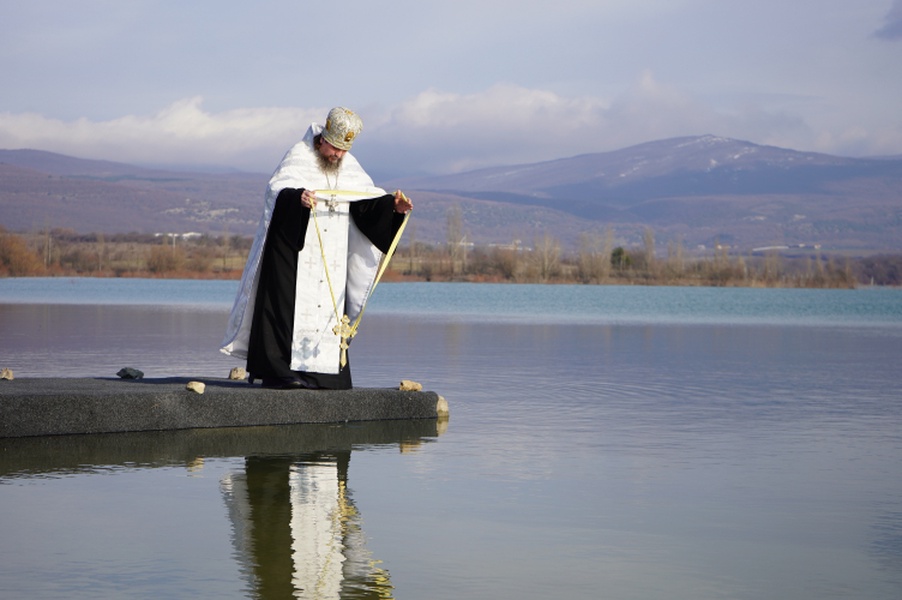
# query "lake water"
(604, 442)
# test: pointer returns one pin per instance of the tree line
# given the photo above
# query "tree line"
(596, 260)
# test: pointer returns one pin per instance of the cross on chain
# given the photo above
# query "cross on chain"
(345, 331)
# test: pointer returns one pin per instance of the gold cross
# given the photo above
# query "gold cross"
(346, 332)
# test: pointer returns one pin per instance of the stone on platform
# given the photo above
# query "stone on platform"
(410, 386)
(130, 373)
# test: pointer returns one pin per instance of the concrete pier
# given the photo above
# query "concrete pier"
(61, 406)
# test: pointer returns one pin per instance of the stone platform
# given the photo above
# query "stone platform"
(61, 406)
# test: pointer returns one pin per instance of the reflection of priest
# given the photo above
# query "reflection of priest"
(324, 230)
(297, 532)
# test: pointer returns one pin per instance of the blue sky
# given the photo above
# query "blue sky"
(446, 86)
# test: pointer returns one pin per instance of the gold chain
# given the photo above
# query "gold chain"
(344, 328)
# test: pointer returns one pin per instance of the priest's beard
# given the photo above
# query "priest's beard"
(327, 166)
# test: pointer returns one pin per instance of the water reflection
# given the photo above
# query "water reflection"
(297, 532)
(295, 529)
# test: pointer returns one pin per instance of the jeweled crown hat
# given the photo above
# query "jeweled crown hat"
(342, 126)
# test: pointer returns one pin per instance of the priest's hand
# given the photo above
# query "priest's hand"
(308, 199)
(403, 204)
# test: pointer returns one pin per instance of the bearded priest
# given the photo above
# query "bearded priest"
(314, 261)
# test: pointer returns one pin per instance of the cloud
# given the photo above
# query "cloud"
(180, 133)
(892, 28)
(493, 126)
(437, 131)
(443, 132)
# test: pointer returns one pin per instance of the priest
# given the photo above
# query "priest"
(313, 263)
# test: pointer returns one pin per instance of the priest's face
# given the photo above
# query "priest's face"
(329, 156)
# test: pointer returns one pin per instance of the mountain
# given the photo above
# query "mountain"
(706, 190)
(679, 166)
(40, 190)
(695, 191)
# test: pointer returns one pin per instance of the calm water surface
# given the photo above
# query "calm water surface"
(604, 442)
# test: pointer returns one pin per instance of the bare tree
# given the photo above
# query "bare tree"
(648, 238)
(224, 248)
(457, 241)
(546, 257)
(675, 258)
(411, 247)
(593, 261)
(507, 260)
(101, 251)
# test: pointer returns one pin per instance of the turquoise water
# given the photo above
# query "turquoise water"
(604, 442)
(637, 304)
(530, 303)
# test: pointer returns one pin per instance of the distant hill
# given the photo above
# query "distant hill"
(702, 190)
(40, 190)
(706, 190)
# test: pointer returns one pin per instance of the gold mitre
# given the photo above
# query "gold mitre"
(342, 126)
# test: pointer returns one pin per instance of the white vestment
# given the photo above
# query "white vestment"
(353, 261)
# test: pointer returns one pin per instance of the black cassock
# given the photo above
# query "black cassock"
(269, 347)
